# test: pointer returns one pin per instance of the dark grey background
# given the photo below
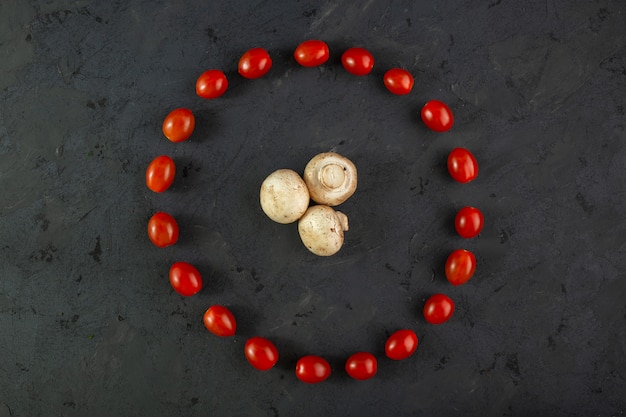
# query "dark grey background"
(89, 324)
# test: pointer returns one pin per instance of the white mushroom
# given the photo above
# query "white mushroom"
(284, 196)
(331, 178)
(321, 230)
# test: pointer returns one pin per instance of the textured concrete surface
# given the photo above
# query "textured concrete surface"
(89, 324)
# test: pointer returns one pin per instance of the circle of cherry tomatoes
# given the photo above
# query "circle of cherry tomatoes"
(361, 366)
(401, 344)
(357, 61)
(460, 266)
(462, 165)
(160, 173)
(179, 125)
(220, 321)
(261, 353)
(438, 309)
(398, 81)
(211, 84)
(311, 53)
(254, 63)
(437, 116)
(162, 229)
(185, 279)
(312, 369)
(468, 222)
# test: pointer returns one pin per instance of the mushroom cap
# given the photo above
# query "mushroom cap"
(284, 196)
(321, 230)
(331, 178)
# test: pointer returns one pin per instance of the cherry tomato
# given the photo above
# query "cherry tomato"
(185, 279)
(162, 229)
(220, 321)
(401, 344)
(312, 369)
(462, 165)
(469, 222)
(311, 53)
(255, 63)
(261, 353)
(438, 309)
(178, 125)
(160, 173)
(437, 116)
(398, 81)
(211, 84)
(460, 266)
(361, 366)
(357, 61)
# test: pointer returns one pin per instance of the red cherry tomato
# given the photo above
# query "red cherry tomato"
(462, 165)
(469, 222)
(160, 173)
(361, 366)
(312, 369)
(162, 229)
(220, 321)
(398, 81)
(460, 266)
(437, 116)
(178, 125)
(401, 344)
(311, 53)
(438, 309)
(185, 279)
(211, 84)
(261, 353)
(357, 61)
(255, 63)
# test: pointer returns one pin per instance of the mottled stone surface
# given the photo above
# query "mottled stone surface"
(89, 324)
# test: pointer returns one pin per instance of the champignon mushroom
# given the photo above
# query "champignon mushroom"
(321, 229)
(331, 178)
(284, 196)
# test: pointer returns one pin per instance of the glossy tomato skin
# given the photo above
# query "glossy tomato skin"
(460, 266)
(162, 229)
(185, 279)
(211, 84)
(312, 369)
(261, 353)
(357, 61)
(361, 366)
(311, 53)
(437, 116)
(401, 344)
(462, 165)
(160, 173)
(438, 309)
(254, 63)
(469, 222)
(398, 81)
(179, 124)
(220, 321)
